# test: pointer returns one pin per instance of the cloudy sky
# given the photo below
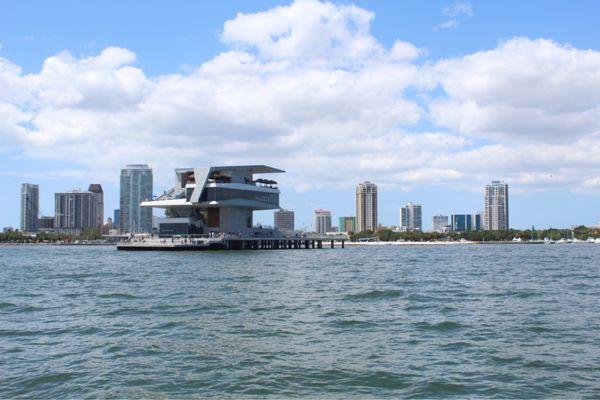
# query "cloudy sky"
(430, 100)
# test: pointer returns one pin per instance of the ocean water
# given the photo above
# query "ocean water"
(477, 321)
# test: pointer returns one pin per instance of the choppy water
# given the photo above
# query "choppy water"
(504, 321)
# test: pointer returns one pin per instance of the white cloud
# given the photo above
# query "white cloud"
(306, 30)
(455, 11)
(446, 25)
(306, 87)
(524, 89)
(459, 8)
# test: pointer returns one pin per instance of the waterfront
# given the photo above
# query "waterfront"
(416, 321)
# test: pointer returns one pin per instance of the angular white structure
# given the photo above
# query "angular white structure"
(215, 199)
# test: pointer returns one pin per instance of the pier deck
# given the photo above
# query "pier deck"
(231, 243)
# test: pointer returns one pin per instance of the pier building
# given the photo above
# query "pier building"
(215, 200)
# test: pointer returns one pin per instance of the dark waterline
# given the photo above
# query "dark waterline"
(481, 321)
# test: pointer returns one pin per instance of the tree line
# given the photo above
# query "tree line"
(15, 236)
(388, 235)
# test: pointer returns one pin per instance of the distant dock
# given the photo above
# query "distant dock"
(231, 243)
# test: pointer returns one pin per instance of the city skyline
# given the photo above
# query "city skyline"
(426, 108)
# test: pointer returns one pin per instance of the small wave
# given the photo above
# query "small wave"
(521, 294)
(123, 296)
(352, 323)
(440, 388)
(506, 359)
(380, 380)
(538, 329)
(374, 295)
(6, 304)
(540, 364)
(48, 379)
(439, 326)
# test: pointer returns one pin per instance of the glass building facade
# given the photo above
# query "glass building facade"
(74, 211)
(465, 222)
(136, 187)
(347, 224)
(30, 200)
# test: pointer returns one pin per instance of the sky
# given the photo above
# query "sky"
(430, 100)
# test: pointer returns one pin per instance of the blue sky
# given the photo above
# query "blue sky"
(435, 138)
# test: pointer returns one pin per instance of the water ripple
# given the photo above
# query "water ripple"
(488, 321)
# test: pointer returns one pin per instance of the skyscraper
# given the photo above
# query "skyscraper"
(74, 211)
(410, 217)
(440, 222)
(96, 188)
(465, 222)
(136, 186)
(347, 224)
(284, 220)
(366, 206)
(495, 212)
(116, 218)
(322, 221)
(30, 201)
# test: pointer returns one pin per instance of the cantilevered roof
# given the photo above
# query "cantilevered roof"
(255, 169)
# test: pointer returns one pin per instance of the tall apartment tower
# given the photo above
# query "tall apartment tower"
(74, 211)
(411, 217)
(30, 204)
(366, 206)
(440, 222)
(96, 188)
(347, 224)
(136, 186)
(116, 219)
(495, 212)
(284, 220)
(322, 221)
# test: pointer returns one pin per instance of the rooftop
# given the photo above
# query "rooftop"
(255, 169)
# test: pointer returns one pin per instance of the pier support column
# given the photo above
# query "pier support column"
(343, 244)
(319, 244)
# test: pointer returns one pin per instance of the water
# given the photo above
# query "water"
(502, 321)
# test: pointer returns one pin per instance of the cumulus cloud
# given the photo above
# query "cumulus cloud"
(307, 88)
(523, 90)
(455, 11)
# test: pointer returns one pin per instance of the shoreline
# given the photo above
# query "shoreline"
(337, 244)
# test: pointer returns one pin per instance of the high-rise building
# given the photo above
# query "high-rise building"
(284, 220)
(322, 221)
(74, 211)
(410, 217)
(116, 218)
(136, 187)
(495, 212)
(96, 188)
(30, 203)
(366, 207)
(45, 224)
(465, 222)
(440, 222)
(347, 224)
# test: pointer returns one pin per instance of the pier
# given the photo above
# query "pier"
(231, 243)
